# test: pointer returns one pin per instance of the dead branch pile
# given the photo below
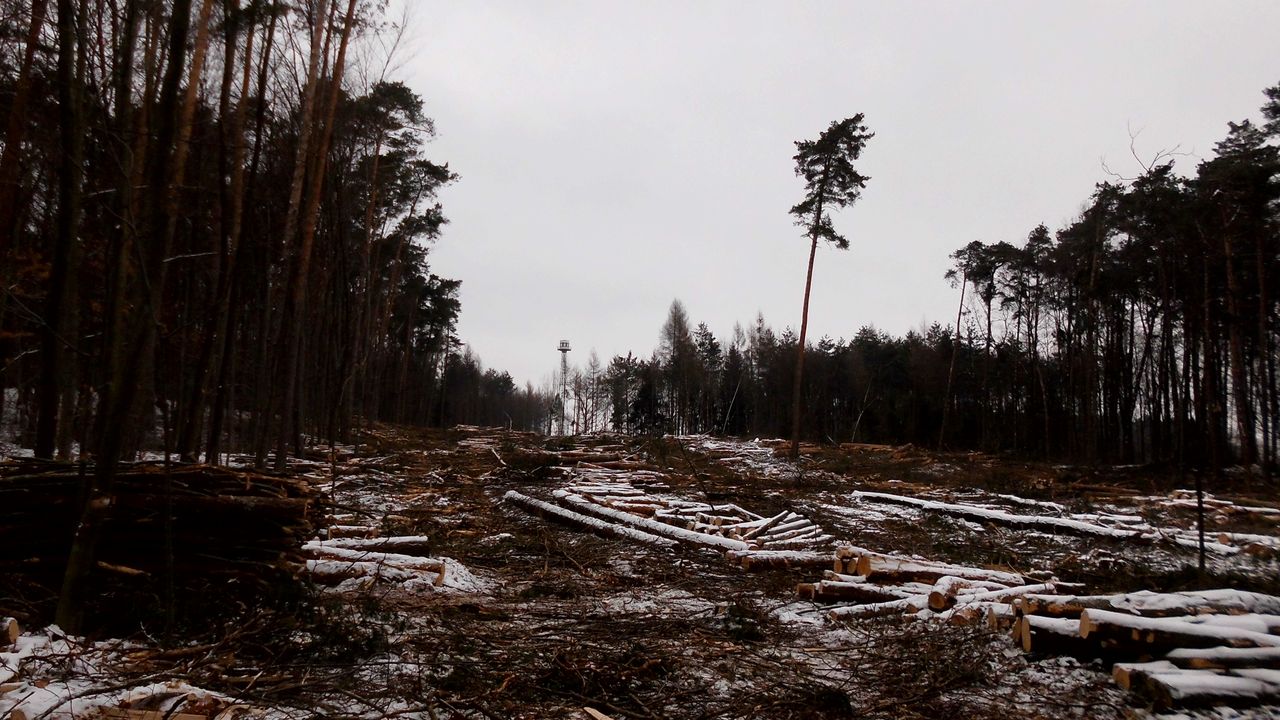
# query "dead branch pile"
(188, 526)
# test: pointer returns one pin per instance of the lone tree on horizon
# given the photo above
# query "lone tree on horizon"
(830, 181)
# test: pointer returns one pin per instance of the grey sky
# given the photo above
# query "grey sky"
(617, 155)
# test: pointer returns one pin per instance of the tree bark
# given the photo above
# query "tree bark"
(53, 378)
(296, 298)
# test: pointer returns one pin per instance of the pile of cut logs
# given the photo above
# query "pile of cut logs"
(880, 584)
(615, 508)
(185, 522)
(1188, 649)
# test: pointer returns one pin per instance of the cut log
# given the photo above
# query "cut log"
(583, 522)
(1001, 617)
(1225, 657)
(971, 512)
(1130, 634)
(908, 605)
(1257, 623)
(945, 589)
(892, 568)
(10, 630)
(1128, 674)
(766, 525)
(971, 614)
(582, 505)
(753, 560)
(1152, 604)
(1054, 636)
(403, 544)
(1203, 688)
(1001, 595)
(861, 592)
(332, 572)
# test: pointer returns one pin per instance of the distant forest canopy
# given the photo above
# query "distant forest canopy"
(1144, 331)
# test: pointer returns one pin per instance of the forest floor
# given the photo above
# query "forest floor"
(523, 617)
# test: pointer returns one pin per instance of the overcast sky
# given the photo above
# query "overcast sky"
(615, 156)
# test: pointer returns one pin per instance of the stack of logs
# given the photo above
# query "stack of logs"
(880, 584)
(1188, 649)
(192, 525)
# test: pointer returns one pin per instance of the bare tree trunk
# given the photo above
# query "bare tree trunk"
(296, 298)
(53, 378)
(116, 417)
(951, 369)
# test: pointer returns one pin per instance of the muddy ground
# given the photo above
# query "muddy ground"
(549, 620)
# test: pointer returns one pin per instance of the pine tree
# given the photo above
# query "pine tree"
(830, 181)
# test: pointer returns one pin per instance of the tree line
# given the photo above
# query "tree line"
(1145, 330)
(215, 222)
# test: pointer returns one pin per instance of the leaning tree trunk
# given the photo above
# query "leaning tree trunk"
(804, 321)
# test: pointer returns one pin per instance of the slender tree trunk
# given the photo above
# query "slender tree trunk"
(947, 400)
(1239, 377)
(306, 122)
(296, 298)
(797, 384)
(53, 375)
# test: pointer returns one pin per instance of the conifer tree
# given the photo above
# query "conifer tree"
(830, 181)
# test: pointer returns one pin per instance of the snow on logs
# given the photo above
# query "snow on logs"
(654, 527)
(1192, 649)
(558, 514)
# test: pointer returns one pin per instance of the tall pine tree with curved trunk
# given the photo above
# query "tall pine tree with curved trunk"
(830, 182)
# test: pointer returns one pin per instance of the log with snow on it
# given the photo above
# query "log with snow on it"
(1201, 688)
(1042, 522)
(1256, 622)
(405, 544)
(583, 522)
(1129, 674)
(1003, 594)
(1137, 635)
(1153, 604)
(846, 558)
(907, 605)
(891, 567)
(976, 613)
(332, 572)
(1229, 538)
(1225, 657)
(1000, 617)
(768, 559)
(946, 588)
(842, 591)
(767, 524)
(396, 561)
(409, 562)
(9, 630)
(1053, 636)
(581, 504)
